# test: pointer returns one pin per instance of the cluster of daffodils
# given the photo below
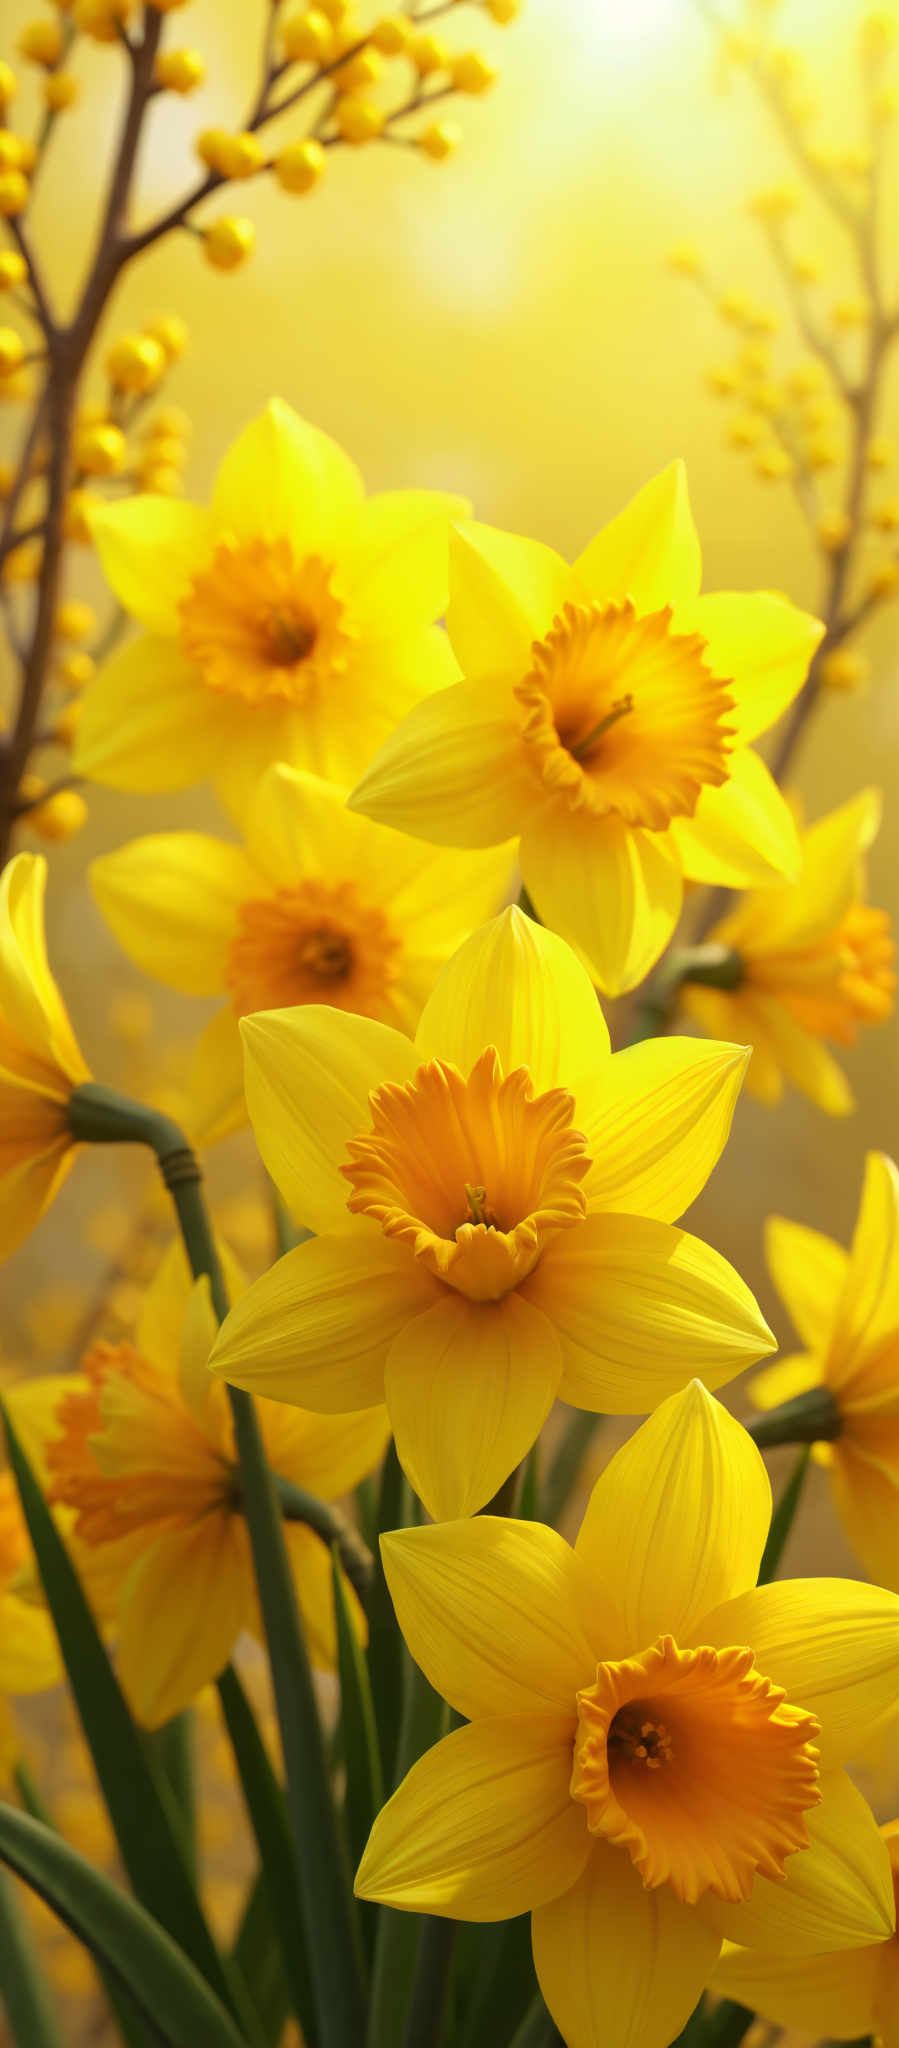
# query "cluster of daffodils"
(812, 420)
(478, 1209)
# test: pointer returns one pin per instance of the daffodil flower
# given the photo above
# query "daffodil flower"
(29, 1658)
(142, 1452)
(654, 1754)
(842, 1996)
(814, 961)
(291, 621)
(40, 1062)
(495, 1203)
(604, 717)
(318, 906)
(845, 1308)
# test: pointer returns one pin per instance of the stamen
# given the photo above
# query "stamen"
(476, 1199)
(620, 709)
(290, 636)
(326, 953)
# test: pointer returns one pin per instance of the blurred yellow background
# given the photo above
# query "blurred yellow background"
(505, 324)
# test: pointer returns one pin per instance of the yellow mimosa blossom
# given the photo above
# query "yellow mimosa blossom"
(845, 1308)
(842, 1996)
(494, 1203)
(143, 1452)
(40, 1063)
(604, 717)
(654, 1750)
(319, 906)
(815, 961)
(291, 621)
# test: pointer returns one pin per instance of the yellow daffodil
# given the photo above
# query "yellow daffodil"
(654, 1754)
(143, 1452)
(495, 1203)
(813, 961)
(845, 1308)
(318, 907)
(291, 621)
(841, 1996)
(40, 1062)
(604, 717)
(29, 1659)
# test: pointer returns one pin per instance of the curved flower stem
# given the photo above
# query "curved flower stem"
(811, 1418)
(784, 1516)
(299, 1506)
(99, 1116)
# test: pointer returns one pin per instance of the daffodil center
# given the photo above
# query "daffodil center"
(475, 1176)
(261, 623)
(845, 979)
(319, 942)
(697, 1766)
(129, 1453)
(621, 714)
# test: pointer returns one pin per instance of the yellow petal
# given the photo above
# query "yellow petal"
(678, 1520)
(613, 892)
(29, 1653)
(182, 1610)
(396, 564)
(656, 1120)
(468, 1386)
(310, 1561)
(809, 1272)
(833, 1644)
(520, 988)
(867, 1502)
(804, 1059)
(326, 1454)
(742, 834)
(483, 1826)
(838, 1893)
(760, 644)
(492, 1611)
(32, 1008)
(149, 549)
(198, 1333)
(28, 1188)
(284, 477)
(160, 1325)
(309, 1073)
(641, 1309)
(620, 1967)
(832, 853)
(868, 1310)
(316, 1329)
(504, 594)
(172, 901)
(830, 1996)
(783, 1380)
(454, 772)
(650, 552)
(147, 720)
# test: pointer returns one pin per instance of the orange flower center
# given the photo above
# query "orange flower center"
(844, 981)
(316, 943)
(476, 1176)
(13, 1536)
(130, 1452)
(261, 625)
(623, 715)
(698, 1766)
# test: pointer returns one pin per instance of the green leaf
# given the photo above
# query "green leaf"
(257, 1955)
(267, 1812)
(169, 1991)
(364, 1783)
(144, 1821)
(387, 1653)
(425, 1719)
(496, 1961)
(24, 1994)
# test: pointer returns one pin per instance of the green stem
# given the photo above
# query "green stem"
(727, 2025)
(97, 1115)
(783, 1517)
(299, 1506)
(23, 1990)
(172, 1747)
(430, 1986)
(810, 1418)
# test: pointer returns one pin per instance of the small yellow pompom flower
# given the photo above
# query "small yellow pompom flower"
(232, 156)
(885, 515)
(833, 531)
(172, 334)
(880, 452)
(884, 580)
(229, 241)
(141, 1449)
(101, 19)
(61, 90)
(292, 620)
(9, 84)
(13, 269)
(439, 141)
(816, 962)
(307, 37)
(471, 73)
(503, 11)
(655, 1746)
(60, 816)
(604, 717)
(393, 35)
(481, 1195)
(135, 362)
(180, 70)
(13, 193)
(41, 42)
(76, 670)
(685, 259)
(775, 203)
(74, 620)
(12, 351)
(429, 55)
(99, 449)
(360, 71)
(40, 1062)
(358, 120)
(300, 166)
(845, 669)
